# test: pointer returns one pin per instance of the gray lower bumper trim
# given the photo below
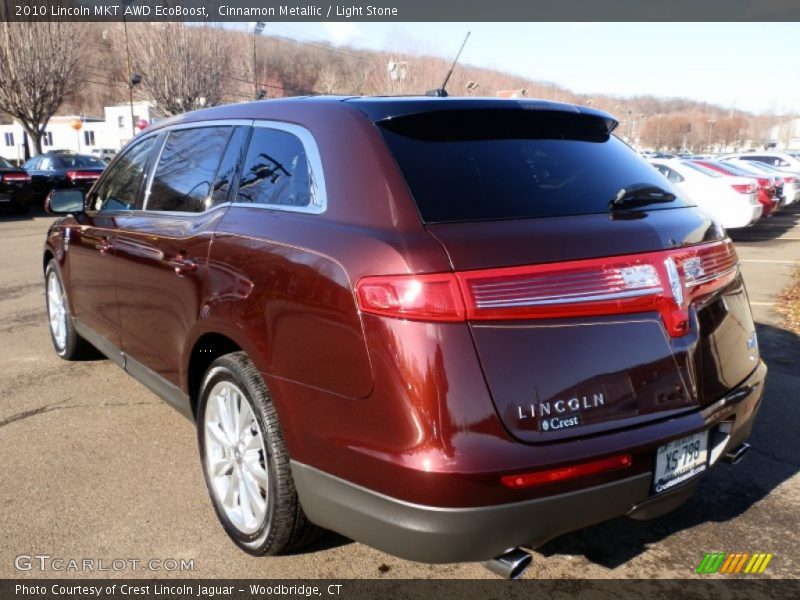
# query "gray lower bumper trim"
(439, 535)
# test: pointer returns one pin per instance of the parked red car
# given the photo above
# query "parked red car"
(767, 185)
(446, 328)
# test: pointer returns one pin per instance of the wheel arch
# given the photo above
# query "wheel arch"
(46, 258)
(205, 347)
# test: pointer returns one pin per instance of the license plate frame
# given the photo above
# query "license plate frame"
(679, 461)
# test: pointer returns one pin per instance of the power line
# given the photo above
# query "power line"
(317, 43)
(105, 83)
(272, 86)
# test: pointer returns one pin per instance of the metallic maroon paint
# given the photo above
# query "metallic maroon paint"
(407, 409)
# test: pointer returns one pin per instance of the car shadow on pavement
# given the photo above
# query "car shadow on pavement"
(727, 491)
(8, 215)
(327, 541)
(769, 228)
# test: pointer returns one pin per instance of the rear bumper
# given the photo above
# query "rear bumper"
(438, 535)
(743, 215)
(14, 196)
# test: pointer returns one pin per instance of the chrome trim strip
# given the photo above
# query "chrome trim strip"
(547, 278)
(319, 195)
(733, 269)
(562, 299)
(162, 140)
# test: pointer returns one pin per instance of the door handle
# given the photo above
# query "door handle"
(182, 264)
(104, 245)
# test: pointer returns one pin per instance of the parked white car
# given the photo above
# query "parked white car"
(779, 160)
(106, 154)
(732, 201)
(791, 180)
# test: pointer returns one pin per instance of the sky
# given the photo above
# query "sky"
(748, 66)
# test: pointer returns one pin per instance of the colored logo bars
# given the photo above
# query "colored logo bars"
(741, 562)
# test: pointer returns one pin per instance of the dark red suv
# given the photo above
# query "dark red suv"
(446, 328)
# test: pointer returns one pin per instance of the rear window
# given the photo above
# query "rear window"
(702, 168)
(471, 165)
(81, 162)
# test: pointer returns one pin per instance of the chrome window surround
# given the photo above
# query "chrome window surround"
(124, 152)
(319, 198)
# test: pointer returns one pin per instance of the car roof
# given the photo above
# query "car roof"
(379, 108)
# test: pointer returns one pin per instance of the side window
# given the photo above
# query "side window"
(32, 164)
(186, 169)
(234, 155)
(276, 171)
(673, 175)
(670, 174)
(46, 164)
(119, 189)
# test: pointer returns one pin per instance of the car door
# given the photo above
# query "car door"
(32, 166)
(90, 246)
(49, 176)
(163, 249)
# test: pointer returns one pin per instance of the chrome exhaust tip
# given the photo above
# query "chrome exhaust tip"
(510, 565)
(737, 454)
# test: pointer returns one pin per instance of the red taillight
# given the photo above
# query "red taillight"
(667, 282)
(603, 465)
(790, 180)
(82, 175)
(416, 297)
(744, 188)
(15, 177)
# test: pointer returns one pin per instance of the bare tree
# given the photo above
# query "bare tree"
(38, 69)
(183, 67)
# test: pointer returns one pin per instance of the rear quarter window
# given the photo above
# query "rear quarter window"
(467, 165)
(276, 171)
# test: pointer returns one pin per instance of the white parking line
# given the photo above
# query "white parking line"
(762, 304)
(767, 239)
(780, 262)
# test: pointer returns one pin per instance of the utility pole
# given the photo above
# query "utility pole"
(258, 28)
(127, 3)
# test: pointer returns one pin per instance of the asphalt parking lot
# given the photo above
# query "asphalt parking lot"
(95, 466)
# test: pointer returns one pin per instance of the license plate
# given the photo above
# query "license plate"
(680, 460)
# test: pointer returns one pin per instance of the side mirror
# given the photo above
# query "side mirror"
(64, 202)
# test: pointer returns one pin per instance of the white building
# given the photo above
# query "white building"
(786, 136)
(113, 131)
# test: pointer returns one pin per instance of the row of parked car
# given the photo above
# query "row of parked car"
(737, 189)
(29, 183)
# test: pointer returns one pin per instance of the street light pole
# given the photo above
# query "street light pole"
(258, 28)
(658, 132)
(127, 3)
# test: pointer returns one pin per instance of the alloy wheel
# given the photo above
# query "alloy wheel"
(56, 311)
(236, 457)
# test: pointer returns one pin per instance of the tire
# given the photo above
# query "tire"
(252, 460)
(67, 343)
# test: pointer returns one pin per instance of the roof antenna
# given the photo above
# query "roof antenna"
(441, 92)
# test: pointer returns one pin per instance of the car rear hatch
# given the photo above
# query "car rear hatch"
(587, 315)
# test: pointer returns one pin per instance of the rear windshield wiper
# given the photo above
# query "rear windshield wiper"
(641, 193)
